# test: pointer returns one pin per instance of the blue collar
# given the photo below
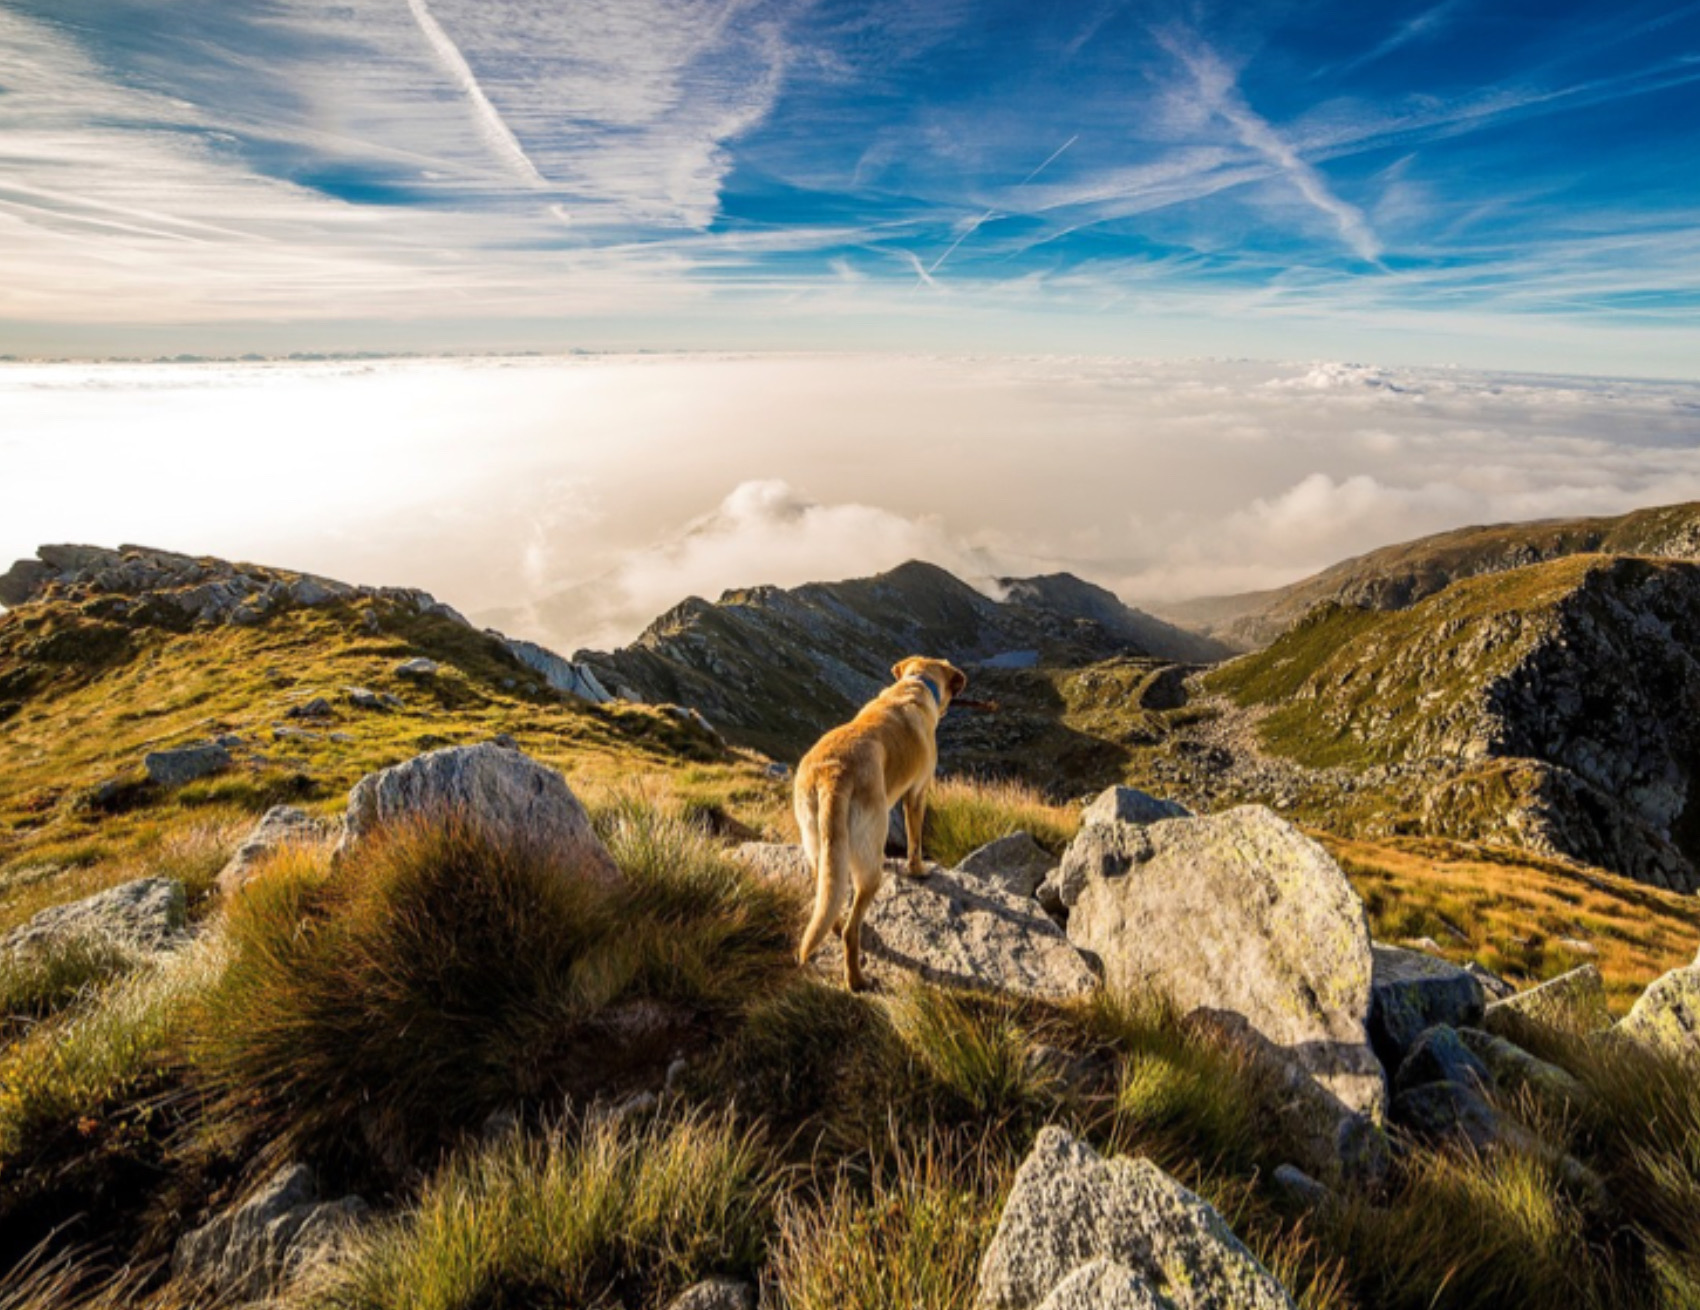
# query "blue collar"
(930, 685)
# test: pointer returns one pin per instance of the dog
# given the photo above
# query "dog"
(845, 789)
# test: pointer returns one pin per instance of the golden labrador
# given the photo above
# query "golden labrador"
(846, 786)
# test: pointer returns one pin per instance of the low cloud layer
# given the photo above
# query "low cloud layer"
(573, 500)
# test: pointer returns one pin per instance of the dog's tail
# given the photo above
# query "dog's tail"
(832, 878)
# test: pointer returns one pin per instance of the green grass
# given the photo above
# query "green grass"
(440, 975)
(910, 1234)
(569, 1219)
(963, 815)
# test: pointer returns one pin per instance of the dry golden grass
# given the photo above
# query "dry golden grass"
(1509, 911)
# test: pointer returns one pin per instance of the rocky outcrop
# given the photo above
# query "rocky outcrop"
(196, 589)
(949, 928)
(186, 764)
(1666, 1017)
(773, 668)
(1069, 1208)
(1238, 912)
(145, 915)
(1016, 863)
(1573, 1002)
(509, 794)
(561, 674)
(281, 826)
(276, 1236)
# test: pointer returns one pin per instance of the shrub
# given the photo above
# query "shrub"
(612, 1216)
(442, 974)
(970, 1047)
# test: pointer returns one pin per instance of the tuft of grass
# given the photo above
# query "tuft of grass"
(68, 1071)
(442, 974)
(971, 1047)
(909, 1234)
(963, 815)
(54, 975)
(613, 1216)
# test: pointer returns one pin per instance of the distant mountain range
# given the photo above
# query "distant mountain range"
(773, 667)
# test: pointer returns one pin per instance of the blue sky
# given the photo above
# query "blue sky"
(1470, 180)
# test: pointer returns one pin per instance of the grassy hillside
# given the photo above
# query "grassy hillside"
(1397, 576)
(91, 697)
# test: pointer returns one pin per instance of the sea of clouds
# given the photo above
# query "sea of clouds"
(572, 499)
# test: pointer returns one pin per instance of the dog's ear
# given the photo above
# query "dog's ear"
(958, 680)
(900, 670)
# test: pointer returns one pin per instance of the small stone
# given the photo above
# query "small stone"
(716, 1294)
(418, 667)
(283, 825)
(675, 1074)
(366, 699)
(1016, 863)
(1437, 1111)
(317, 708)
(1299, 1189)
(174, 768)
(257, 1248)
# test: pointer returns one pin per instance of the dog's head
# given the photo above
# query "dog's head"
(946, 679)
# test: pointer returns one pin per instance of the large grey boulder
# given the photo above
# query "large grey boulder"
(282, 825)
(1240, 912)
(1130, 805)
(1104, 1285)
(509, 794)
(1016, 863)
(1069, 1207)
(174, 768)
(269, 1240)
(145, 915)
(1666, 1017)
(1411, 992)
(948, 928)
(1573, 1002)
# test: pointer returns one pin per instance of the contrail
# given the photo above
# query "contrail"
(490, 123)
(990, 214)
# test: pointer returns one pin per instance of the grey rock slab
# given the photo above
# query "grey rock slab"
(1441, 1111)
(256, 1248)
(949, 928)
(1241, 912)
(145, 915)
(1514, 1069)
(282, 825)
(1411, 992)
(508, 793)
(174, 768)
(1104, 1285)
(1069, 1207)
(1573, 1002)
(1298, 1188)
(418, 667)
(1130, 805)
(1666, 1017)
(1440, 1056)
(561, 674)
(1016, 863)
(716, 1294)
